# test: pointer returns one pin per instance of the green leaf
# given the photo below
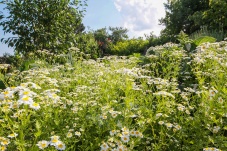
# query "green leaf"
(38, 125)
(204, 39)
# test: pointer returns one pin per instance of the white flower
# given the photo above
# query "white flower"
(125, 133)
(5, 142)
(220, 100)
(60, 145)
(54, 140)
(169, 125)
(113, 132)
(125, 129)
(114, 114)
(12, 135)
(216, 129)
(25, 100)
(158, 115)
(103, 117)
(77, 133)
(138, 134)
(26, 92)
(34, 106)
(69, 135)
(212, 92)
(160, 122)
(7, 94)
(120, 148)
(104, 146)
(178, 127)
(181, 108)
(42, 144)
(125, 139)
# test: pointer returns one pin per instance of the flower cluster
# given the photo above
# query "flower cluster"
(55, 141)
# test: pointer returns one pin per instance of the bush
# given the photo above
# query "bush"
(86, 43)
(128, 47)
(203, 39)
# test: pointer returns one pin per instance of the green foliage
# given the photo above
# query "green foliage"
(177, 16)
(101, 36)
(189, 44)
(155, 41)
(204, 39)
(113, 102)
(118, 34)
(2, 85)
(129, 47)
(86, 43)
(108, 37)
(42, 24)
(183, 38)
(219, 35)
(192, 16)
(185, 41)
(214, 17)
(26, 64)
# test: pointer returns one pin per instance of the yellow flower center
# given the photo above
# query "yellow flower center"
(43, 145)
(25, 99)
(25, 92)
(54, 140)
(60, 145)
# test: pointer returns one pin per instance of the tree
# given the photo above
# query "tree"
(178, 14)
(87, 44)
(118, 34)
(214, 17)
(106, 37)
(101, 36)
(42, 24)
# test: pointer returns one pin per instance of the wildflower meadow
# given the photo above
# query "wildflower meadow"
(170, 99)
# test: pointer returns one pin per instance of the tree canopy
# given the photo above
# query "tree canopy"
(42, 24)
(191, 15)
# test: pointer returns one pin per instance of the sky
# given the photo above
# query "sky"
(138, 16)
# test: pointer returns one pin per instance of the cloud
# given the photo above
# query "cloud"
(141, 16)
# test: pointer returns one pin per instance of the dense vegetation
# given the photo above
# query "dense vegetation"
(170, 99)
(70, 89)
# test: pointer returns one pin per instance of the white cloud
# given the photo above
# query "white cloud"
(141, 16)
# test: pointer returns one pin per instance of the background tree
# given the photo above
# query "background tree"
(214, 17)
(87, 44)
(118, 34)
(178, 14)
(101, 36)
(42, 24)
(107, 37)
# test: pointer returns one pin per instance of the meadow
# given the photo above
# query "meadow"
(170, 99)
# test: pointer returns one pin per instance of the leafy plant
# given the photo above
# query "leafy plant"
(87, 44)
(42, 24)
(128, 47)
(219, 35)
(203, 39)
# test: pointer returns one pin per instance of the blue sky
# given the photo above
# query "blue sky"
(138, 16)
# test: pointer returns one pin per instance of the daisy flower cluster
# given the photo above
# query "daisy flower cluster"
(4, 142)
(119, 139)
(13, 97)
(55, 141)
(211, 149)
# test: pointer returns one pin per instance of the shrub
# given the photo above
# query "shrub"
(86, 43)
(129, 47)
(203, 39)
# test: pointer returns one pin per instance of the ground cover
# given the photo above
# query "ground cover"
(169, 99)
